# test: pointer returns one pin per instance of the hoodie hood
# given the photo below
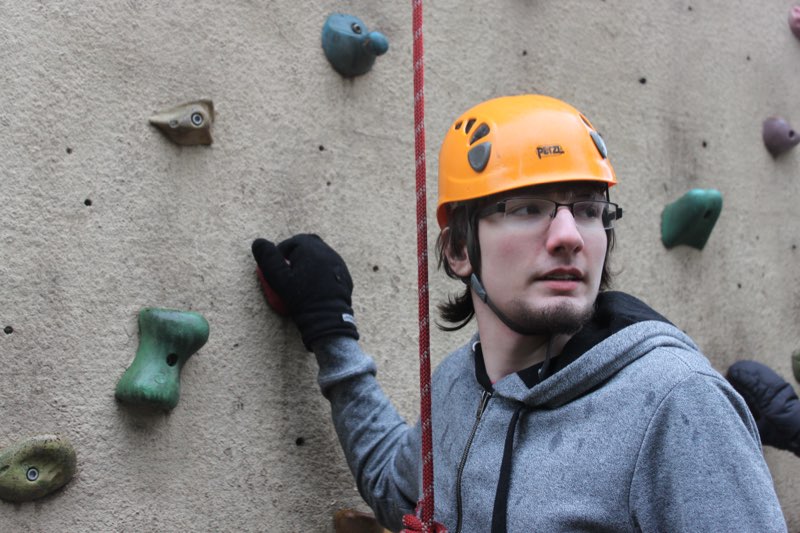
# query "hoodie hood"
(622, 329)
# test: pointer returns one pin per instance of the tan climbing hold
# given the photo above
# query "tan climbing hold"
(187, 124)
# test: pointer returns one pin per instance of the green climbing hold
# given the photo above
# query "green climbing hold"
(690, 219)
(167, 338)
(796, 365)
(35, 467)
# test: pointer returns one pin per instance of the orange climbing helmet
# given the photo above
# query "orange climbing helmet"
(518, 141)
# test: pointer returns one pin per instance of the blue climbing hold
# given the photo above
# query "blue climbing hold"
(349, 47)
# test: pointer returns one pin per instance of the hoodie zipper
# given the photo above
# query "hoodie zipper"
(485, 396)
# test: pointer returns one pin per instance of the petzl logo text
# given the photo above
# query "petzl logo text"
(547, 151)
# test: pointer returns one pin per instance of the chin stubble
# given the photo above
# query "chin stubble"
(561, 318)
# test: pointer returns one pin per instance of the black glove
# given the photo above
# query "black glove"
(772, 401)
(313, 282)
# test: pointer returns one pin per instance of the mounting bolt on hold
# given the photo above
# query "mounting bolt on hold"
(188, 124)
(779, 136)
(35, 467)
(167, 338)
(690, 219)
(349, 47)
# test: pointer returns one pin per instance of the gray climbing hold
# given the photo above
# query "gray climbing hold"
(779, 136)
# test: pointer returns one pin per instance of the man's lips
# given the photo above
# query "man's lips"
(566, 274)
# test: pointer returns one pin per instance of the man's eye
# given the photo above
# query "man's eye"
(523, 210)
(589, 210)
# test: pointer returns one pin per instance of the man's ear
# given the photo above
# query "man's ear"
(458, 259)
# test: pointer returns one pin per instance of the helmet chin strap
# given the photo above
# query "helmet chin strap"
(473, 252)
(477, 286)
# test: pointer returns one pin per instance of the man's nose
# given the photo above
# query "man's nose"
(563, 234)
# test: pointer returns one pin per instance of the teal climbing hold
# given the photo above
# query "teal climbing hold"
(167, 338)
(690, 219)
(349, 47)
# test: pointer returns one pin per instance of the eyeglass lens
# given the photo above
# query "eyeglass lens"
(587, 213)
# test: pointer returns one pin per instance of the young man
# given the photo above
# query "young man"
(571, 409)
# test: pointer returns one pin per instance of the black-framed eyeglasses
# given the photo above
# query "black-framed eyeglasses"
(531, 211)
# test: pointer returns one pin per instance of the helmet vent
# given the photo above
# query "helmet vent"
(480, 132)
(599, 143)
(478, 156)
(586, 121)
(458, 125)
(470, 123)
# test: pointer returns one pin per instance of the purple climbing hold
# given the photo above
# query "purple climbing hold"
(779, 136)
(794, 20)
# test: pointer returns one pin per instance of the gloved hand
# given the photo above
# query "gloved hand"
(313, 282)
(772, 401)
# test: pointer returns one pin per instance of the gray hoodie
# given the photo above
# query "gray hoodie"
(628, 429)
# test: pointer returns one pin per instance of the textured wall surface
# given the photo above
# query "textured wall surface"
(678, 88)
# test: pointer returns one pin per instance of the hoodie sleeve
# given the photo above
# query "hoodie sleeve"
(700, 465)
(381, 449)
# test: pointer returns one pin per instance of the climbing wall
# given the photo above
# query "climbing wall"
(102, 215)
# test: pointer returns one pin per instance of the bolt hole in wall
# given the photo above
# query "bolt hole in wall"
(87, 202)
(172, 359)
(321, 148)
(375, 268)
(642, 80)
(69, 150)
(8, 330)
(299, 441)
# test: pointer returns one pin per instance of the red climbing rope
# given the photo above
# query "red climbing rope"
(426, 500)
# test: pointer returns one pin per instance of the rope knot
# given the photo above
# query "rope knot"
(413, 524)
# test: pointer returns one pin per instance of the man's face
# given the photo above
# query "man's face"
(543, 273)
